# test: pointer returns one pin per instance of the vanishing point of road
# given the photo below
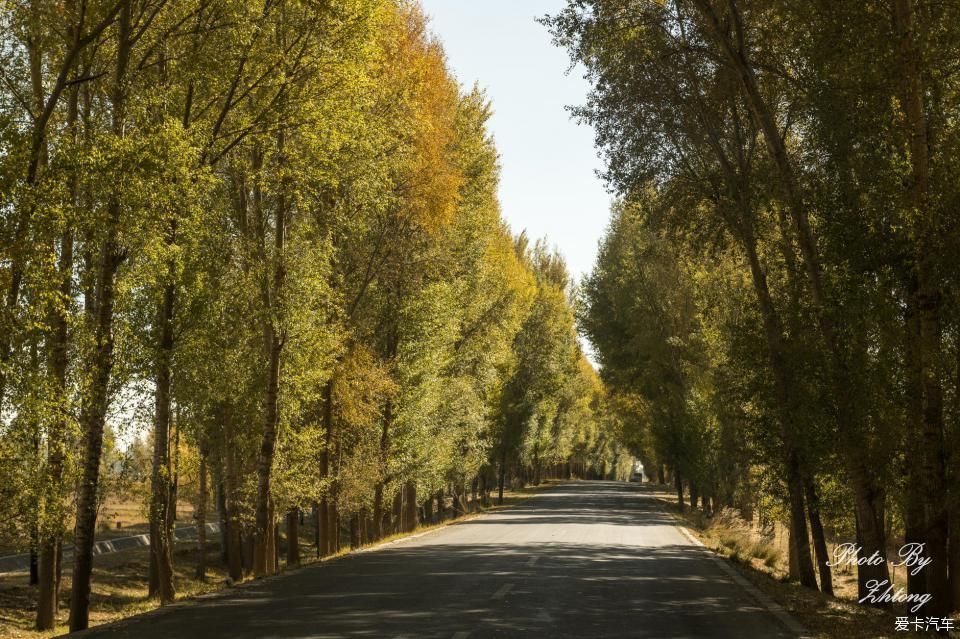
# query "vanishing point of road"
(581, 559)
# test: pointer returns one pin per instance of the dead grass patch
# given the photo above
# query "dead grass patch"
(756, 556)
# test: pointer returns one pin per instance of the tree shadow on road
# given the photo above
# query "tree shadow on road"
(487, 590)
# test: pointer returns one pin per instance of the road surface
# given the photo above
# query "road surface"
(582, 559)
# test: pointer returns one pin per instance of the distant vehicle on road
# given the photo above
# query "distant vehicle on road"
(637, 475)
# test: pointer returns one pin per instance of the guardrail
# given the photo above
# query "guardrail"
(18, 563)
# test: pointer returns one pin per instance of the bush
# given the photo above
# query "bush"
(742, 539)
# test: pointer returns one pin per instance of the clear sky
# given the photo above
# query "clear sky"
(548, 181)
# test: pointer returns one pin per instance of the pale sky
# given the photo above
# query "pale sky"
(548, 180)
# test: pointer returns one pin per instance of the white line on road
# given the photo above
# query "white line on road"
(774, 608)
(504, 589)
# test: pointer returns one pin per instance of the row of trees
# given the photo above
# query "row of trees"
(269, 227)
(775, 303)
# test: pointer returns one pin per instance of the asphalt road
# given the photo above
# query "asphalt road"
(583, 559)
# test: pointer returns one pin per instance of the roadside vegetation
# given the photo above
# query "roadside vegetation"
(760, 554)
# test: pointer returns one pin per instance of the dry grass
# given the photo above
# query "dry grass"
(743, 542)
(762, 560)
(119, 589)
(117, 518)
(124, 518)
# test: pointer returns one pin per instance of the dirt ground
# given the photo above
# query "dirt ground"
(119, 589)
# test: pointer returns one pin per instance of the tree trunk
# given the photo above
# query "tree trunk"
(441, 506)
(175, 480)
(868, 494)
(326, 529)
(410, 506)
(354, 530)
(428, 509)
(48, 576)
(954, 547)
(246, 550)
(325, 532)
(913, 512)
(58, 553)
(364, 531)
(221, 497)
(233, 533)
(48, 582)
(953, 486)
(201, 518)
(99, 369)
(457, 508)
(396, 525)
(334, 526)
(265, 462)
(316, 527)
(871, 535)
(271, 545)
(293, 537)
(746, 502)
(676, 476)
(93, 413)
(390, 353)
(274, 542)
(378, 511)
(930, 449)
(783, 383)
(819, 539)
(160, 543)
(264, 544)
(503, 472)
(798, 523)
(793, 558)
(34, 556)
(273, 341)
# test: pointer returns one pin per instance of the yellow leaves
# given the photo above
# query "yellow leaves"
(514, 273)
(424, 97)
(362, 384)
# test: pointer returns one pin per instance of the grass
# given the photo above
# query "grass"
(120, 579)
(763, 561)
(119, 589)
(115, 519)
